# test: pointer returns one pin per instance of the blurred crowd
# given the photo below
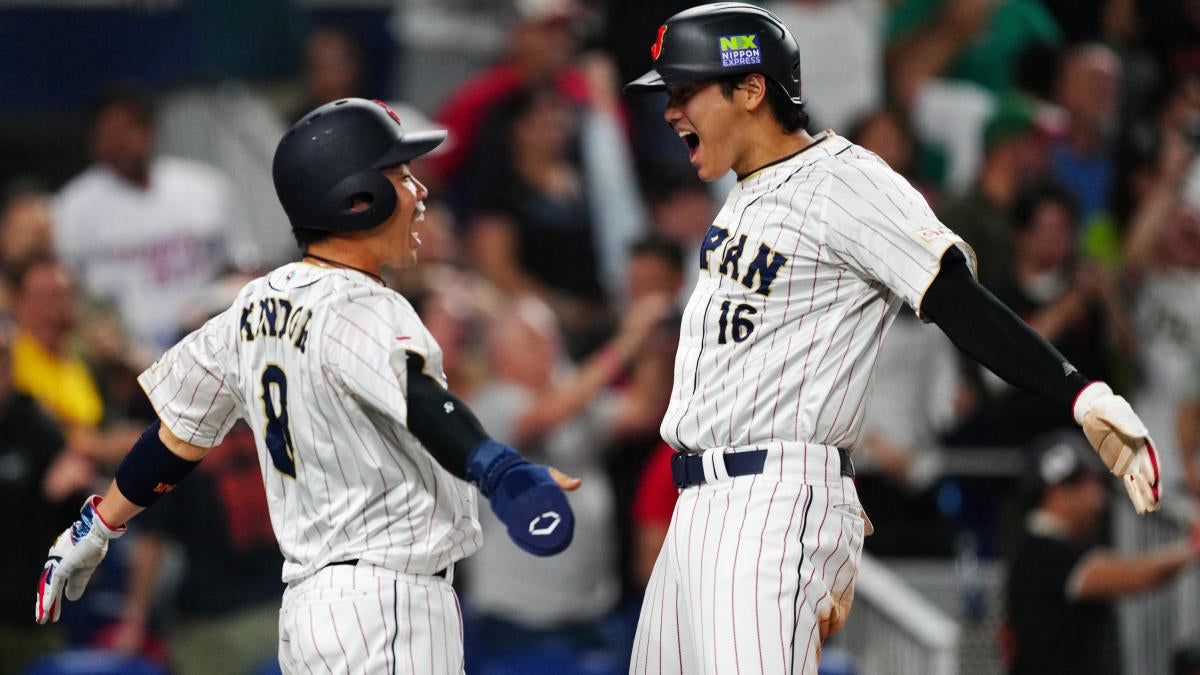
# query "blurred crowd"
(1058, 138)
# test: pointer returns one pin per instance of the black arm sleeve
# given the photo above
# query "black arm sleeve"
(989, 332)
(442, 422)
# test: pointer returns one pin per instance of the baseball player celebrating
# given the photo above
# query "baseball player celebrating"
(806, 265)
(361, 445)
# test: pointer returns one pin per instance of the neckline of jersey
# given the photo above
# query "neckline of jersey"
(824, 136)
(334, 264)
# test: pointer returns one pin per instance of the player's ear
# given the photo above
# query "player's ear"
(754, 90)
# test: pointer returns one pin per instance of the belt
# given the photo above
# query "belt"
(688, 470)
(354, 561)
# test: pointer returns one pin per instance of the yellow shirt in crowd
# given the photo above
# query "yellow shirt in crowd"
(64, 386)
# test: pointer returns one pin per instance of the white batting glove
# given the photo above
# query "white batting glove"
(1123, 442)
(72, 559)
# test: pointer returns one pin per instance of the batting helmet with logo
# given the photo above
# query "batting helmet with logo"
(723, 38)
(333, 157)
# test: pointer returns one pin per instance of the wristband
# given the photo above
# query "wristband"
(487, 462)
(151, 470)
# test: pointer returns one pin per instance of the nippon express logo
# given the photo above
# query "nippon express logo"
(740, 50)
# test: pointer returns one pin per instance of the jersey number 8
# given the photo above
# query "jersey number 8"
(278, 434)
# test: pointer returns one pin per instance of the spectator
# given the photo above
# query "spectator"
(681, 209)
(544, 36)
(46, 312)
(1161, 269)
(534, 232)
(142, 230)
(571, 418)
(1062, 583)
(979, 41)
(40, 485)
(1073, 303)
(983, 216)
(951, 66)
(24, 228)
(656, 268)
(846, 38)
(1088, 90)
(333, 66)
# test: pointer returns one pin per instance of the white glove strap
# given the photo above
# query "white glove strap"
(1086, 397)
(99, 527)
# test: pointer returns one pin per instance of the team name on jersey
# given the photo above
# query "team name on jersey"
(764, 267)
(277, 318)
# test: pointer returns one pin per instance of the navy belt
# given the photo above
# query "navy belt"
(354, 561)
(688, 470)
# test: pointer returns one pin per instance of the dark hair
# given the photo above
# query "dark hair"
(306, 236)
(20, 188)
(787, 114)
(660, 246)
(134, 97)
(16, 272)
(1035, 196)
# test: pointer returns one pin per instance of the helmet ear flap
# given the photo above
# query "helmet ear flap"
(370, 187)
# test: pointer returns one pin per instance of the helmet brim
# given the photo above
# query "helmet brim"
(650, 82)
(411, 146)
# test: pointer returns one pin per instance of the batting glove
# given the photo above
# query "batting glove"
(1123, 442)
(524, 496)
(72, 560)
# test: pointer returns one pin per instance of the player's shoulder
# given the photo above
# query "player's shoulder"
(851, 166)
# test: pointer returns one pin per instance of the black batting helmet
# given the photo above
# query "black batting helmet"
(723, 38)
(335, 154)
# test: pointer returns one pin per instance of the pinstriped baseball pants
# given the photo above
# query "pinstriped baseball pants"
(368, 619)
(756, 571)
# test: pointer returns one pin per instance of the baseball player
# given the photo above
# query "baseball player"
(814, 252)
(360, 444)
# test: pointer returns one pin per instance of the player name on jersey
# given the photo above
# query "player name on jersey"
(766, 270)
(277, 318)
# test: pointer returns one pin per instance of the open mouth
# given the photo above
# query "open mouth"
(692, 141)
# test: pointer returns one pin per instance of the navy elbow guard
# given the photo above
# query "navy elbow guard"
(524, 496)
(151, 470)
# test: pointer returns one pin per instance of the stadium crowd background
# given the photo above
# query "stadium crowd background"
(1058, 138)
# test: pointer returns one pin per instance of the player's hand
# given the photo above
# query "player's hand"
(1123, 442)
(528, 498)
(72, 559)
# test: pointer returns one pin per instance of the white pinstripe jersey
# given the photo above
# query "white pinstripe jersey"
(314, 359)
(801, 274)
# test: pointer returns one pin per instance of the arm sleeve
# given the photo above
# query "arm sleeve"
(192, 388)
(442, 422)
(987, 331)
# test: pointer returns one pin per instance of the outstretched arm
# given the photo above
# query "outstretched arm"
(987, 331)
(527, 497)
(153, 466)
